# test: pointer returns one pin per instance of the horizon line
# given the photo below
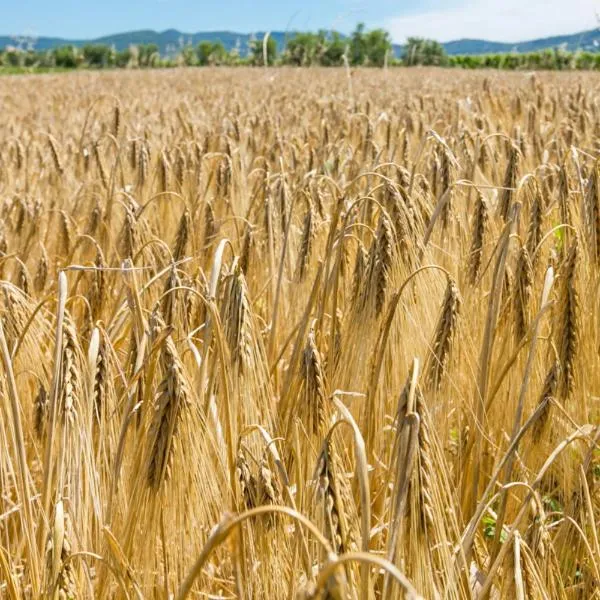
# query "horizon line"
(31, 36)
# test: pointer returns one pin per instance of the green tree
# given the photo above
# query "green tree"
(321, 48)
(211, 53)
(148, 55)
(492, 61)
(31, 58)
(124, 58)
(13, 58)
(303, 49)
(369, 47)
(66, 57)
(98, 55)
(257, 51)
(188, 56)
(358, 45)
(377, 45)
(510, 61)
(419, 51)
(334, 50)
(562, 58)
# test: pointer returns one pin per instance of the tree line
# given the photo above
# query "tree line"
(324, 48)
(304, 49)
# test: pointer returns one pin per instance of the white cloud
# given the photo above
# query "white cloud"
(498, 20)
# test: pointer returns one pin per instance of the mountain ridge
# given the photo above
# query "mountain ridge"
(170, 40)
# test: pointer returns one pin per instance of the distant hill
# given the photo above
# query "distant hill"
(585, 40)
(171, 40)
(167, 41)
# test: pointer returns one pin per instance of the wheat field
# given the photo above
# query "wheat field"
(277, 333)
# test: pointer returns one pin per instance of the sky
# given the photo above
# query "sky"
(444, 20)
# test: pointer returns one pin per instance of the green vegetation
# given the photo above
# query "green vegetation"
(305, 49)
(263, 51)
(418, 51)
(309, 49)
(362, 48)
(210, 53)
(550, 60)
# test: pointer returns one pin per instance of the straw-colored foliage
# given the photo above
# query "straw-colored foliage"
(300, 334)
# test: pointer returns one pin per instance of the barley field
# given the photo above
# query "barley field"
(315, 334)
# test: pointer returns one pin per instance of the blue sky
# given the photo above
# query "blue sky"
(501, 20)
